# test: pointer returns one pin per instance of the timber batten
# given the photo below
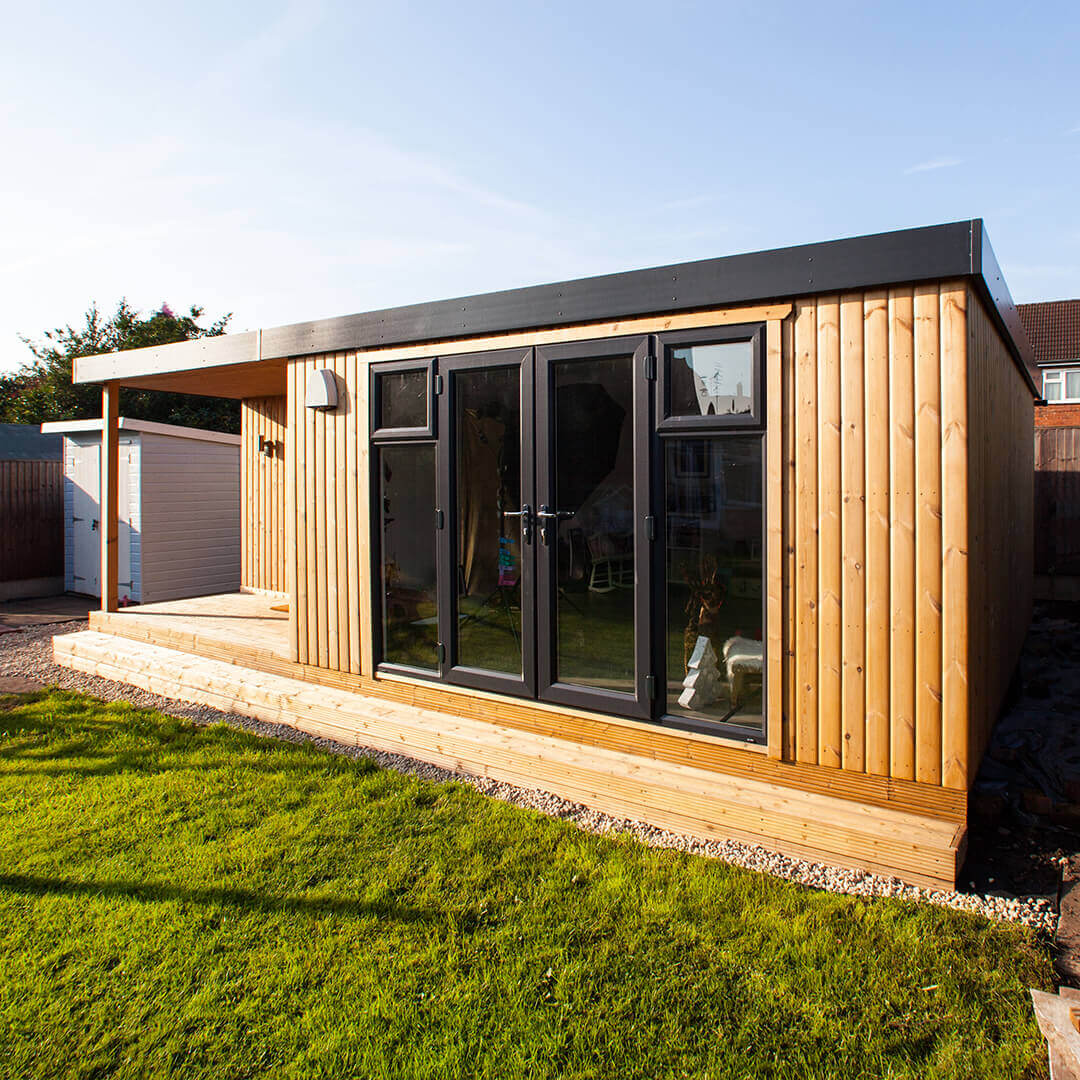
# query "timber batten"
(893, 415)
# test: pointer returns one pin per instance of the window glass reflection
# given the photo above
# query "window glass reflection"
(715, 653)
(712, 380)
(487, 426)
(403, 399)
(410, 622)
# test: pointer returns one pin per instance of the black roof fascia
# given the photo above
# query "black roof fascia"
(892, 258)
(990, 283)
(907, 256)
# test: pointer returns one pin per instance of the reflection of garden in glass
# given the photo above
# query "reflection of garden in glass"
(714, 579)
(409, 603)
(487, 449)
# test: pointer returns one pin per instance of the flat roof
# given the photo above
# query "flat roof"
(907, 256)
(149, 427)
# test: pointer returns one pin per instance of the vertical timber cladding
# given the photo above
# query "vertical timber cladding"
(875, 523)
(1001, 510)
(326, 556)
(262, 494)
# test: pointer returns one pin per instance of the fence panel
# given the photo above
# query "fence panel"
(1057, 500)
(31, 520)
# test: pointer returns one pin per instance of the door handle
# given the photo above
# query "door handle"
(526, 515)
(94, 524)
(547, 515)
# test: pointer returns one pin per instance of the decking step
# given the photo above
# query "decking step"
(702, 803)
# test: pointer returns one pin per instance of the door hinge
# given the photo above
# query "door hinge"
(650, 527)
(438, 519)
(650, 687)
(441, 650)
(438, 385)
(650, 366)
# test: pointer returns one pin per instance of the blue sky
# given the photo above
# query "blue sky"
(294, 161)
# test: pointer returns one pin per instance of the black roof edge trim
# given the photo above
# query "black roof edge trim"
(958, 249)
(990, 284)
(891, 258)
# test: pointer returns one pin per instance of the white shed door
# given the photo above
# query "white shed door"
(85, 472)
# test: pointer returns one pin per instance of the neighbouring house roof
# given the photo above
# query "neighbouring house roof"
(25, 442)
(959, 249)
(1053, 328)
(150, 427)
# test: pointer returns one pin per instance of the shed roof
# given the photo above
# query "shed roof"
(150, 427)
(25, 442)
(908, 256)
(1053, 328)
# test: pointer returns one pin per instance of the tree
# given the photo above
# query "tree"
(42, 389)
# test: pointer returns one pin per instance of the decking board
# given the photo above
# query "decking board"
(686, 799)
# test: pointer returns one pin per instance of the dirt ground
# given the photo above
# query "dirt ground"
(1025, 804)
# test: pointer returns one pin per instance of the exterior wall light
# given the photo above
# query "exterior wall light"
(321, 390)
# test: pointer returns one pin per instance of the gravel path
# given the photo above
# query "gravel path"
(28, 654)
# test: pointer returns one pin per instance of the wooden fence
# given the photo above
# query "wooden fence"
(1057, 500)
(31, 520)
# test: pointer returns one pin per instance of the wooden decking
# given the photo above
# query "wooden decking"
(242, 622)
(232, 652)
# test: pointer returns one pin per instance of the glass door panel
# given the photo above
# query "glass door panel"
(409, 607)
(487, 425)
(592, 493)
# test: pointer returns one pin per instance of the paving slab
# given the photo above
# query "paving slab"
(40, 611)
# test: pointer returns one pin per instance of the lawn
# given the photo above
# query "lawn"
(200, 902)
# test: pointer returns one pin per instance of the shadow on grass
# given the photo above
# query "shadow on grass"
(158, 892)
(57, 733)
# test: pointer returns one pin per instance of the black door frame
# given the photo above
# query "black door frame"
(523, 685)
(639, 704)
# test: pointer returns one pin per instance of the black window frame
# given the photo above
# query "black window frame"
(717, 335)
(402, 434)
(707, 427)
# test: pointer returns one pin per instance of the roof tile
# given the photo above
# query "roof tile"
(1053, 328)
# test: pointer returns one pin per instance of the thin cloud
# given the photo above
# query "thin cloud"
(935, 163)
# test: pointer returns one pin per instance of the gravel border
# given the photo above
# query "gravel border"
(28, 654)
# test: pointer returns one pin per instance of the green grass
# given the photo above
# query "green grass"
(200, 902)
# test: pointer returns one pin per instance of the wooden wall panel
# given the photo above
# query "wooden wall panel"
(263, 548)
(902, 534)
(805, 423)
(878, 531)
(921, 413)
(853, 531)
(830, 547)
(330, 532)
(928, 374)
(1000, 507)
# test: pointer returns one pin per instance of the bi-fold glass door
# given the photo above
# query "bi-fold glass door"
(542, 490)
(580, 524)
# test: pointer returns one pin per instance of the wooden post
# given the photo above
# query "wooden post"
(110, 489)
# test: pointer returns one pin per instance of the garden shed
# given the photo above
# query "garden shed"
(178, 511)
(739, 547)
